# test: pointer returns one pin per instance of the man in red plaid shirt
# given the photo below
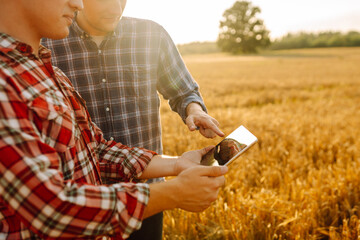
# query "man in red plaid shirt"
(57, 172)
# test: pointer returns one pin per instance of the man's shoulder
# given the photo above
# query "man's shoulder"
(138, 23)
(137, 20)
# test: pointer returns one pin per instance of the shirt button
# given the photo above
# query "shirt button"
(104, 80)
(107, 109)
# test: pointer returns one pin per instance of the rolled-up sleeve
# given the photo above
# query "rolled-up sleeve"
(119, 162)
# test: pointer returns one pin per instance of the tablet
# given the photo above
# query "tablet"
(230, 148)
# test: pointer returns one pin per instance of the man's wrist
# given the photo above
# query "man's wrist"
(163, 196)
(160, 166)
(176, 169)
(193, 107)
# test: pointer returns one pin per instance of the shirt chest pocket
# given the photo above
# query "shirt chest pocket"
(54, 121)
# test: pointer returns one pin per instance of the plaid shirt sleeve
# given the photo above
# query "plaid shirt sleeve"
(118, 160)
(175, 81)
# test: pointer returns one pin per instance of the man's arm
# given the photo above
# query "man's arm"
(176, 84)
(163, 166)
(141, 163)
(193, 190)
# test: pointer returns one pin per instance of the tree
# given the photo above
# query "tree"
(241, 31)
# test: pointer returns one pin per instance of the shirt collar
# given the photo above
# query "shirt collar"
(9, 44)
(84, 35)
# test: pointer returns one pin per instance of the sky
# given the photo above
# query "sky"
(198, 20)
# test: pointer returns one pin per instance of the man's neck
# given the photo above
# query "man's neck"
(12, 25)
(98, 39)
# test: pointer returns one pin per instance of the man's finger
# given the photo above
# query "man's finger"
(213, 171)
(207, 132)
(206, 150)
(211, 124)
(215, 122)
(190, 123)
(216, 129)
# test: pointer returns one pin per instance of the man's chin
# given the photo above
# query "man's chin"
(109, 27)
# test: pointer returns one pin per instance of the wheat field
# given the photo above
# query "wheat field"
(302, 179)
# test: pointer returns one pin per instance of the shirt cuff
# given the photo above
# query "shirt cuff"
(187, 101)
(132, 200)
(141, 162)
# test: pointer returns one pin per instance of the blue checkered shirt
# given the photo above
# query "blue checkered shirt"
(120, 80)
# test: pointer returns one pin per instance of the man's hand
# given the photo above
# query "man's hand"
(193, 190)
(198, 119)
(198, 187)
(190, 159)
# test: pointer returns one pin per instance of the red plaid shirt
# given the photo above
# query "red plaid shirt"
(54, 162)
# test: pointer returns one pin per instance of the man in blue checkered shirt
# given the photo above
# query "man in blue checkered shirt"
(119, 64)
